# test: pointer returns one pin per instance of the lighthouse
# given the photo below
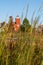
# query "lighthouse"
(17, 19)
(17, 23)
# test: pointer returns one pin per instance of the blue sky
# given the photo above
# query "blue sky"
(15, 7)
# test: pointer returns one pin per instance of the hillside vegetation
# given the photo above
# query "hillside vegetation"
(23, 47)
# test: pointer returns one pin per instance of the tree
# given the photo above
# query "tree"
(22, 28)
(10, 24)
(3, 23)
(26, 25)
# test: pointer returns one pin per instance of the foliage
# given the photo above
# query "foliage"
(21, 48)
(26, 25)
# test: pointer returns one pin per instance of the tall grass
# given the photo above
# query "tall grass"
(21, 48)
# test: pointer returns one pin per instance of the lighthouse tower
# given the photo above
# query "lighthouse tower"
(17, 19)
(17, 23)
